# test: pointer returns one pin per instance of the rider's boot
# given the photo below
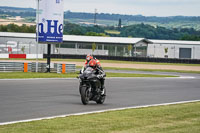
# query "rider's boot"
(103, 90)
(102, 87)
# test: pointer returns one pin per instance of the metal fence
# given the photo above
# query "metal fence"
(42, 67)
(11, 66)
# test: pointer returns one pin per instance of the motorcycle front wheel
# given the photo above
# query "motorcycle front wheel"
(85, 95)
(102, 98)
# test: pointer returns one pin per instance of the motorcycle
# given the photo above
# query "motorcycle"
(90, 87)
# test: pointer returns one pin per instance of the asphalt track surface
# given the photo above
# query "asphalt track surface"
(35, 98)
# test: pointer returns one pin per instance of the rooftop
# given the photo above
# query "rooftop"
(76, 38)
(100, 39)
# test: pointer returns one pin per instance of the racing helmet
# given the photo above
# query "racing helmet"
(89, 57)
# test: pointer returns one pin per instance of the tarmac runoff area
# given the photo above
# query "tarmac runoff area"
(35, 99)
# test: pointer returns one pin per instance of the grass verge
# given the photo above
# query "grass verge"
(148, 70)
(22, 75)
(180, 118)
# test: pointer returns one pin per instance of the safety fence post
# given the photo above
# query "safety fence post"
(25, 67)
(63, 68)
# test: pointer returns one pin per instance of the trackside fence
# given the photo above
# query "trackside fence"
(121, 58)
(31, 67)
(11, 66)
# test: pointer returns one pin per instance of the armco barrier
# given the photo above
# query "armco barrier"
(31, 67)
(11, 66)
(139, 59)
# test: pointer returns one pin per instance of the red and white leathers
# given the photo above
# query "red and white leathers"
(88, 58)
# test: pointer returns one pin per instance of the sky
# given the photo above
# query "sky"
(129, 7)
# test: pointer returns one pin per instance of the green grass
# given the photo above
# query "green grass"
(150, 70)
(180, 118)
(135, 75)
(112, 32)
(22, 75)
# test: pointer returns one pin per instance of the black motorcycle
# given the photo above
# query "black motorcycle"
(90, 87)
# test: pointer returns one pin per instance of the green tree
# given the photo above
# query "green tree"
(166, 50)
(130, 47)
(93, 47)
(23, 49)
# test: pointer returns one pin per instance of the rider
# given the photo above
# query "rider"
(99, 71)
(88, 58)
(98, 63)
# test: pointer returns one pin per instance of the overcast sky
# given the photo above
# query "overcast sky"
(130, 7)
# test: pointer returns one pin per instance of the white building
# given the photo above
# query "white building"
(174, 49)
(108, 46)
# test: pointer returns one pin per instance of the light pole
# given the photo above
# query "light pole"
(30, 47)
(37, 29)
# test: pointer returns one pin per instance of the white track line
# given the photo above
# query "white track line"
(100, 111)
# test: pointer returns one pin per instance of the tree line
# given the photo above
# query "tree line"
(30, 12)
(139, 30)
(139, 18)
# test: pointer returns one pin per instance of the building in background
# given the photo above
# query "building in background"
(19, 43)
(174, 49)
(80, 45)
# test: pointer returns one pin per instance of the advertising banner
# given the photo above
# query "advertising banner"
(50, 21)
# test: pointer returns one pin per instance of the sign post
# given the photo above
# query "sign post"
(50, 25)
(37, 36)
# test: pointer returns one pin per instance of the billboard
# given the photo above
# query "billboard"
(50, 21)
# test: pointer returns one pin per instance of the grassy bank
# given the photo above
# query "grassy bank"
(181, 118)
(21, 75)
(148, 70)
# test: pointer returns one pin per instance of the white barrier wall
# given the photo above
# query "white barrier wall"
(81, 51)
(4, 56)
(33, 56)
(28, 56)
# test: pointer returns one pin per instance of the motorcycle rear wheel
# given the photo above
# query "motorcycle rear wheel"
(85, 95)
(102, 98)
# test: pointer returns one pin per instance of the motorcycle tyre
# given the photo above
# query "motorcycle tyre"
(80, 89)
(85, 95)
(102, 98)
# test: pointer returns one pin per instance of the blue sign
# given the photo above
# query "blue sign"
(53, 33)
(50, 27)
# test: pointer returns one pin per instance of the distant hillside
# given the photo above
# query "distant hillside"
(106, 19)
(14, 11)
(140, 18)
